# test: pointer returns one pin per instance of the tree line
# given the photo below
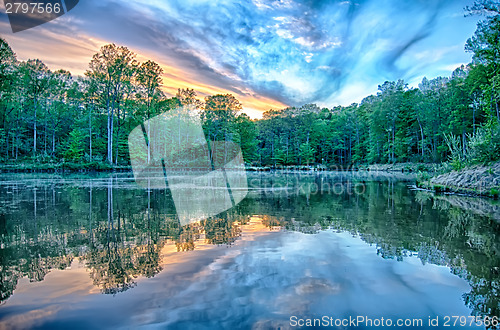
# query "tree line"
(52, 117)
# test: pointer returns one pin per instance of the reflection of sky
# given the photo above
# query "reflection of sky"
(267, 53)
(261, 281)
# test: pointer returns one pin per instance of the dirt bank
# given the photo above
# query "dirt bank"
(476, 180)
(404, 167)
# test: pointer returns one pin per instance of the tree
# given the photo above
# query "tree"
(35, 78)
(112, 69)
(391, 94)
(248, 137)
(8, 82)
(149, 81)
(433, 116)
(187, 97)
(219, 116)
(8, 64)
(219, 121)
(485, 44)
(307, 152)
(76, 145)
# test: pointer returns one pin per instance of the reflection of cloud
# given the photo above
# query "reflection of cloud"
(28, 320)
(66, 287)
(262, 282)
(263, 279)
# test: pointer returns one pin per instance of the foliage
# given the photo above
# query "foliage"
(481, 147)
(54, 115)
(75, 147)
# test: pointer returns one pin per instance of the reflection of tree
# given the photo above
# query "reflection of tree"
(220, 230)
(119, 233)
(148, 260)
(118, 243)
(34, 267)
(484, 296)
(474, 239)
(440, 230)
(115, 264)
(115, 260)
(273, 222)
(187, 236)
(110, 269)
(430, 253)
(8, 282)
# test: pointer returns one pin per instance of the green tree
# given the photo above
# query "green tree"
(485, 45)
(248, 137)
(112, 69)
(76, 145)
(307, 153)
(36, 79)
(8, 83)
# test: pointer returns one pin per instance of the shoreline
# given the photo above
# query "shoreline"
(62, 168)
(474, 181)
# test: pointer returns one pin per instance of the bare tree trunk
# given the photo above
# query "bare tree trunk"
(117, 133)
(272, 153)
(418, 146)
(34, 129)
(90, 132)
(45, 136)
(474, 119)
(91, 236)
(463, 141)
(111, 136)
(149, 141)
(108, 129)
(498, 113)
(53, 142)
(393, 140)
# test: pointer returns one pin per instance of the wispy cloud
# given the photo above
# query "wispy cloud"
(284, 51)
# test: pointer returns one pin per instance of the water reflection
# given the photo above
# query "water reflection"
(120, 233)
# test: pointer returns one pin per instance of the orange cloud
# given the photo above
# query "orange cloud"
(73, 52)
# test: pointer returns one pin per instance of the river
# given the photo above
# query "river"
(348, 250)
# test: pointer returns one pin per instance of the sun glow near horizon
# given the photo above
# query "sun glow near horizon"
(73, 53)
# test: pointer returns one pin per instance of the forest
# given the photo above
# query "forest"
(50, 119)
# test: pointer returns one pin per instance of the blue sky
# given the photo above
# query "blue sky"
(267, 53)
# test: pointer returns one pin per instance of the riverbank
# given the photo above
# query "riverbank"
(106, 167)
(396, 167)
(403, 167)
(478, 180)
(26, 167)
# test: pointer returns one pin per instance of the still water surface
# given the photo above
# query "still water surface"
(100, 252)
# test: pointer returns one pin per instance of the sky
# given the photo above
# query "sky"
(268, 53)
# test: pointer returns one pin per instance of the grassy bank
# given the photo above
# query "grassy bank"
(396, 167)
(478, 180)
(62, 167)
(404, 167)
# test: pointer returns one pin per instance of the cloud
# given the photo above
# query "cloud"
(288, 52)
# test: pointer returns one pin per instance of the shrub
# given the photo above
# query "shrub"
(482, 147)
(439, 188)
(494, 193)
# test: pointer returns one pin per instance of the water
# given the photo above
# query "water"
(99, 252)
